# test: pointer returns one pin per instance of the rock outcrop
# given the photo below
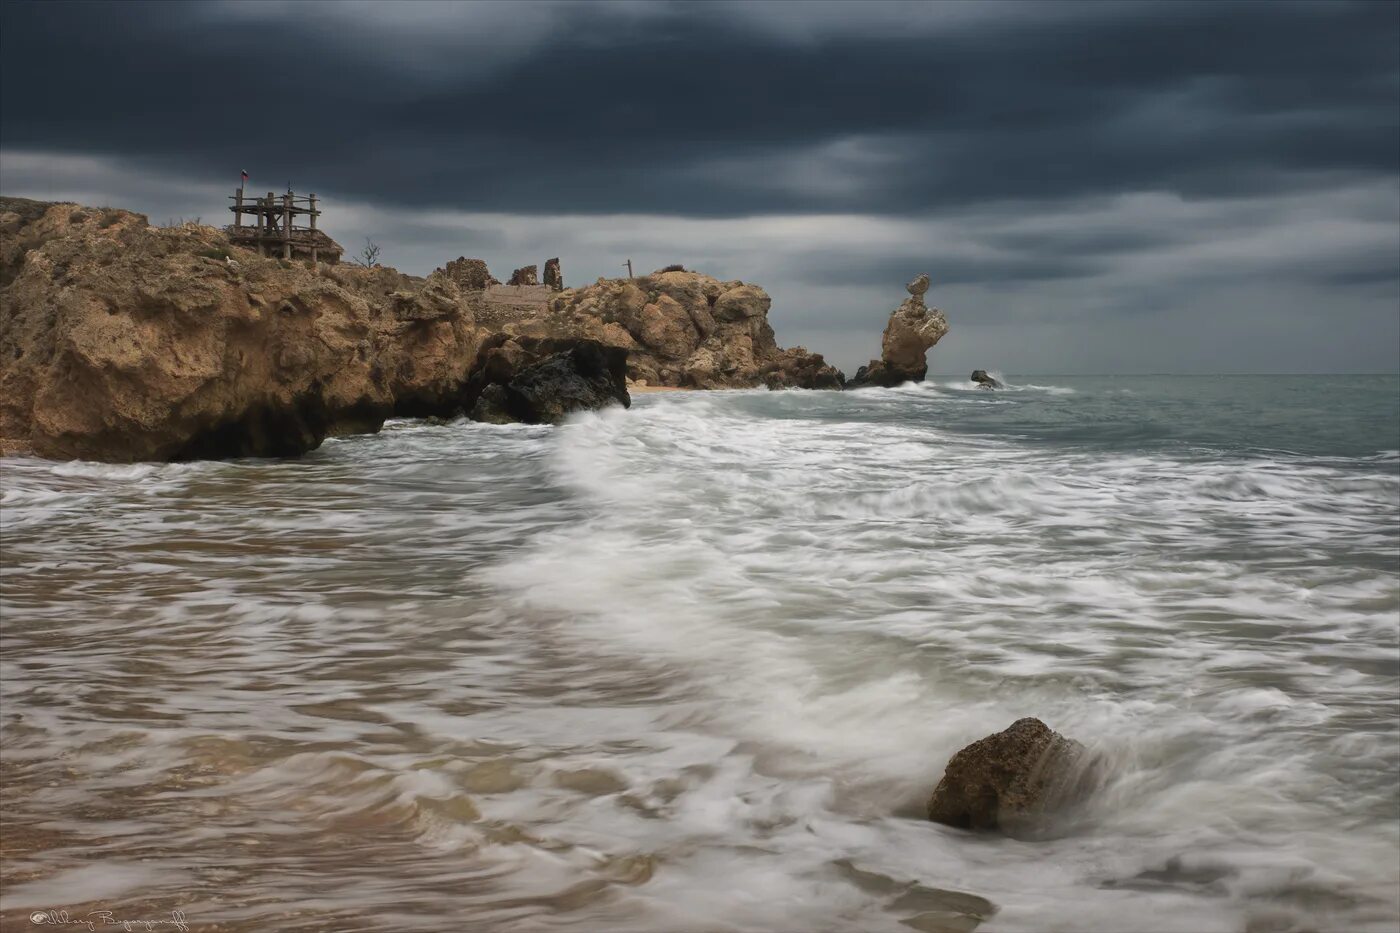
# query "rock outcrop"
(1011, 779)
(912, 329)
(541, 381)
(553, 275)
(985, 381)
(687, 329)
(120, 341)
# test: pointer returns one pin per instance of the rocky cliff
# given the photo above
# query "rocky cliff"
(121, 341)
(689, 330)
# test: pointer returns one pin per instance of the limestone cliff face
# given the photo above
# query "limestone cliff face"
(689, 330)
(913, 328)
(121, 342)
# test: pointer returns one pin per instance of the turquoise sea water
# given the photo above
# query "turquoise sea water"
(697, 665)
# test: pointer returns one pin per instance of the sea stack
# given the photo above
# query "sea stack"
(913, 328)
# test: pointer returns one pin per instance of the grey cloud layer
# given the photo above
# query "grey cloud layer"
(1231, 165)
(686, 110)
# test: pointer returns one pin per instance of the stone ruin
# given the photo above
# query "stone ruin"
(553, 277)
(471, 275)
(494, 302)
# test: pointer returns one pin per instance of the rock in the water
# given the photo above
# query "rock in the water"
(912, 329)
(525, 275)
(492, 406)
(542, 381)
(553, 276)
(985, 381)
(799, 368)
(1009, 779)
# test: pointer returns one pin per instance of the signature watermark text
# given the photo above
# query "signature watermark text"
(95, 920)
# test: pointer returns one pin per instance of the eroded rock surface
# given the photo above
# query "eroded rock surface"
(544, 380)
(913, 328)
(1011, 779)
(687, 329)
(120, 341)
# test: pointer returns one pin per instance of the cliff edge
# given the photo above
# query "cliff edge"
(122, 342)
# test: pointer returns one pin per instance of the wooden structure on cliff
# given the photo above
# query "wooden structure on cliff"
(271, 227)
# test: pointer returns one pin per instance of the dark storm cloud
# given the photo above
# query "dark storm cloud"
(1094, 186)
(690, 110)
(834, 268)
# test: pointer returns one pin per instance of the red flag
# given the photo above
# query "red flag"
(245, 177)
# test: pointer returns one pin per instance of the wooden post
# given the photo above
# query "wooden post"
(269, 221)
(315, 260)
(629, 268)
(238, 208)
(287, 225)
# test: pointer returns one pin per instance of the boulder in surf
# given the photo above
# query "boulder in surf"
(1010, 780)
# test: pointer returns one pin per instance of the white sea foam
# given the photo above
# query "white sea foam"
(698, 665)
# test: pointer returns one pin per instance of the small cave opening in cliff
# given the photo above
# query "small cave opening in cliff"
(263, 431)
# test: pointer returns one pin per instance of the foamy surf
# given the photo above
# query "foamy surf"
(697, 665)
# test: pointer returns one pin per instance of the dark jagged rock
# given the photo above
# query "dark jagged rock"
(985, 381)
(525, 275)
(544, 380)
(1011, 779)
(493, 406)
(553, 275)
(912, 329)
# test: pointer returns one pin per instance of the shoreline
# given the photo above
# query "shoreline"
(648, 390)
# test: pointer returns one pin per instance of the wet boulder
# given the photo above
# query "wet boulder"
(1010, 780)
(543, 380)
(985, 381)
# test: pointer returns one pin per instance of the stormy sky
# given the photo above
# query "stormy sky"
(1094, 187)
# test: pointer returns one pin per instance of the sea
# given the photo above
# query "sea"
(697, 666)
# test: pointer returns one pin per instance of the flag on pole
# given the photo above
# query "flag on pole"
(245, 177)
